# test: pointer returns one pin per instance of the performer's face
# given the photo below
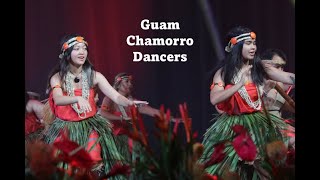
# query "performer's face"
(126, 86)
(249, 49)
(79, 53)
(277, 58)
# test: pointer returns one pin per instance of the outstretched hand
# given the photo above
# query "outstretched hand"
(126, 118)
(140, 103)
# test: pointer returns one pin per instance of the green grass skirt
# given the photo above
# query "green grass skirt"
(122, 143)
(257, 125)
(79, 132)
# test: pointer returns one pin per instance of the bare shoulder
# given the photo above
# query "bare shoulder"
(56, 76)
(97, 73)
(97, 77)
(219, 71)
(218, 74)
(55, 80)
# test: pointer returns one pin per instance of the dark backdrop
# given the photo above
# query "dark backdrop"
(106, 24)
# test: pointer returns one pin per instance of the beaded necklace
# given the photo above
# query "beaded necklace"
(244, 93)
(70, 91)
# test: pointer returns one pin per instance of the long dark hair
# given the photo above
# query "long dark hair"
(233, 60)
(64, 64)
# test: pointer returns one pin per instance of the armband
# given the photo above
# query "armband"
(56, 86)
(105, 108)
(220, 84)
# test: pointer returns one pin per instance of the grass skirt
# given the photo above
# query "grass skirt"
(257, 126)
(122, 143)
(79, 132)
(37, 135)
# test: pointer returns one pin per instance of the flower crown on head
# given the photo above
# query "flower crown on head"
(71, 42)
(119, 79)
(123, 77)
(233, 41)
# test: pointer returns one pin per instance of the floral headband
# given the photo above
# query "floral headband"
(123, 77)
(233, 41)
(118, 79)
(71, 42)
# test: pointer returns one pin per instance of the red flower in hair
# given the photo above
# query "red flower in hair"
(79, 39)
(253, 35)
(233, 41)
(65, 46)
(118, 79)
(243, 144)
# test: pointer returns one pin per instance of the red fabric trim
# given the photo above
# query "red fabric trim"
(235, 105)
(67, 113)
